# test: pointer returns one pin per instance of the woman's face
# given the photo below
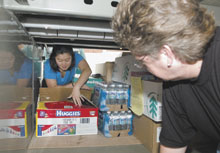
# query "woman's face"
(63, 61)
(157, 67)
(7, 60)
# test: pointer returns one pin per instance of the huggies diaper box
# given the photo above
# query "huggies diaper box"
(65, 118)
(14, 119)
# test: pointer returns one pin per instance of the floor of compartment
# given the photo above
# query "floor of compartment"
(74, 144)
(139, 148)
(104, 149)
(81, 141)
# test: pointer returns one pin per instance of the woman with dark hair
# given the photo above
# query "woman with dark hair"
(60, 69)
(15, 68)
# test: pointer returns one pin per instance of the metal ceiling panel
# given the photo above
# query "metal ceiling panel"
(64, 23)
(42, 32)
(67, 33)
(211, 2)
(78, 22)
(10, 28)
(85, 8)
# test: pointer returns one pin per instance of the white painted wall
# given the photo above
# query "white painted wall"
(97, 61)
(216, 12)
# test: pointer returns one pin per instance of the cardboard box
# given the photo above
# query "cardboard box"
(60, 94)
(147, 131)
(108, 69)
(123, 68)
(9, 93)
(152, 95)
(118, 107)
(90, 82)
(64, 118)
(15, 120)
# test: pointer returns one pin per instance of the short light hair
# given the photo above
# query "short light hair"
(144, 26)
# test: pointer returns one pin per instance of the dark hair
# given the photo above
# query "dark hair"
(13, 49)
(61, 50)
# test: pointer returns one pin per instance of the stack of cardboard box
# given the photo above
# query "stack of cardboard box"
(147, 126)
(15, 119)
(56, 116)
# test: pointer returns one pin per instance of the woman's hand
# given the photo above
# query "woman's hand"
(86, 71)
(76, 96)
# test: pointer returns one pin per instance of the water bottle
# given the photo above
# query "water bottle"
(106, 124)
(126, 95)
(119, 94)
(126, 120)
(103, 97)
(100, 121)
(105, 91)
(96, 93)
(123, 121)
(116, 121)
(129, 120)
(110, 121)
(112, 94)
